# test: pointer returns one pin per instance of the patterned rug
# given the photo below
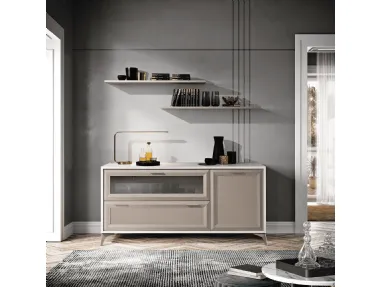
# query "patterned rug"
(148, 268)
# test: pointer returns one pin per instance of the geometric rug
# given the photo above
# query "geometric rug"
(149, 268)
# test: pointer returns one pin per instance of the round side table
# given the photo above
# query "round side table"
(271, 272)
(226, 280)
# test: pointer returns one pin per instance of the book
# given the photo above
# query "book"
(259, 277)
(247, 269)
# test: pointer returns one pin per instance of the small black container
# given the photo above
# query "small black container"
(134, 74)
(127, 74)
(210, 161)
(206, 99)
(122, 77)
(231, 157)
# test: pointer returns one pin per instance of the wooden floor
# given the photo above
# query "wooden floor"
(56, 252)
(321, 212)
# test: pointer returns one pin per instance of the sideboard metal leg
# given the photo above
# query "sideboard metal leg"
(264, 237)
(103, 236)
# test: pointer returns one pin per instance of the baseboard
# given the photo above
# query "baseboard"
(280, 227)
(273, 227)
(68, 230)
(87, 227)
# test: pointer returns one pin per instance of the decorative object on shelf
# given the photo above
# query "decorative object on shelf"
(132, 132)
(160, 76)
(127, 73)
(327, 267)
(181, 77)
(206, 100)
(209, 161)
(122, 77)
(215, 99)
(230, 101)
(313, 171)
(306, 257)
(218, 148)
(223, 159)
(328, 248)
(231, 157)
(134, 74)
(143, 76)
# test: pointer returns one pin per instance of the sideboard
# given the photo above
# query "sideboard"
(183, 198)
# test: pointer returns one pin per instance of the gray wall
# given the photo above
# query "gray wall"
(62, 12)
(194, 37)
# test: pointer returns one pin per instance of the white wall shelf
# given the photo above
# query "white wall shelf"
(127, 82)
(213, 108)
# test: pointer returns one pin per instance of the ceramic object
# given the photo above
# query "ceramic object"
(230, 101)
(209, 161)
(218, 148)
(122, 77)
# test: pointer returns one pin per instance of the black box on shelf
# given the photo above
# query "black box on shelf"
(327, 267)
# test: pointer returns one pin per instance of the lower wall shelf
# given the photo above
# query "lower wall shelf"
(213, 108)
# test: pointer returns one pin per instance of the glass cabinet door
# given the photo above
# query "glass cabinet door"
(168, 184)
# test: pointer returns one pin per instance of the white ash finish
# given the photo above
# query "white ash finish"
(184, 165)
(228, 204)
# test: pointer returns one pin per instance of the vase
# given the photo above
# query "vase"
(206, 100)
(218, 148)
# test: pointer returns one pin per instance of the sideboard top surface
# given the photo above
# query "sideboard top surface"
(185, 165)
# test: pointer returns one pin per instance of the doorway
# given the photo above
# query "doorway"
(315, 123)
(51, 165)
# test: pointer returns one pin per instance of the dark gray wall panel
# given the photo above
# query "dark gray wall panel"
(62, 12)
(153, 24)
(271, 135)
(275, 22)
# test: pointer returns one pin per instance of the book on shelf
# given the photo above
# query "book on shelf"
(247, 270)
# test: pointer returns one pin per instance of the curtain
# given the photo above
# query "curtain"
(325, 127)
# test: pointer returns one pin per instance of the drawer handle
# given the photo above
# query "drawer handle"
(157, 173)
(238, 173)
(122, 205)
(194, 206)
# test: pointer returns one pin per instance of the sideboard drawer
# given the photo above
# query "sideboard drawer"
(155, 185)
(156, 215)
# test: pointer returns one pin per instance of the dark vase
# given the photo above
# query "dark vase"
(206, 100)
(215, 99)
(218, 148)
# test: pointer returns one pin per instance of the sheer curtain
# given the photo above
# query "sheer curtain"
(325, 127)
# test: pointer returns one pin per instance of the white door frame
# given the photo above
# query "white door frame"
(302, 42)
(56, 33)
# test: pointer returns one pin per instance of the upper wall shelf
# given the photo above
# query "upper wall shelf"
(126, 82)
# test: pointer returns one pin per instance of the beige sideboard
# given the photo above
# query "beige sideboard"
(183, 198)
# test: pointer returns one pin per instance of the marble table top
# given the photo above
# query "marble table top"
(271, 272)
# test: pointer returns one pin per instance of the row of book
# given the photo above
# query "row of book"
(247, 270)
(166, 77)
(186, 98)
